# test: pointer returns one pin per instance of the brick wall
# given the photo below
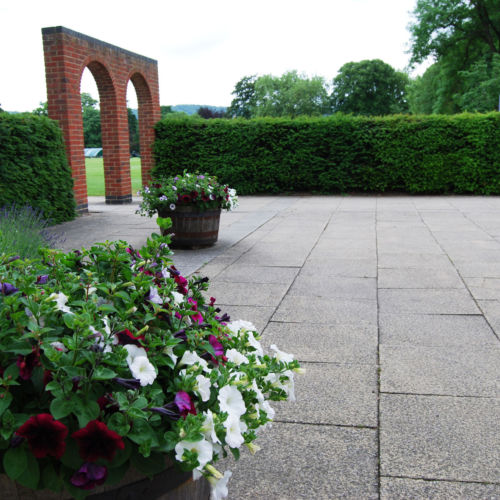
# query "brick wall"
(67, 53)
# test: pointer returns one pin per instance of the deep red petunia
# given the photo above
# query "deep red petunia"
(28, 363)
(96, 441)
(127, 337)
(184, 404)
(45, 435)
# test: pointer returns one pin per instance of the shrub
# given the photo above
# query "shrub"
(23, 231)
(33, 167)
(341, 153)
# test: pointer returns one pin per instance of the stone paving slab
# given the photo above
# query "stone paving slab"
(419, 278)
(417, 489)
(349, 398)
(305, 309)
(328, 343)
(258, 315)
(446, 370)
(249, 294)
(435, 330)
(258, 274)
(395, 259)
(334, 287)
(300, 461)
(451, 301)
(354, 268)
(454, 439)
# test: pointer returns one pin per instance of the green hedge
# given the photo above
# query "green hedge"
(340, 153)
(33, 167)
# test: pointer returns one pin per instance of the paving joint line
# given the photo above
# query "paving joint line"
(379, 367)
(432, 479)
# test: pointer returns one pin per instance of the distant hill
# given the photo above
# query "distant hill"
(192, 109)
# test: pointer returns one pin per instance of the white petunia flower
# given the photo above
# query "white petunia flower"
(142, 369)
(203, 386)
(169, 351)
(219, 487)
(191, 358)
(203, 449)
(178, 298)
(61, 300)
(231, 400)
(154, 296)
(234, 428)
(282, 356)
(59, 346)
(236, 357)
(240, 324)
(255, 344)
(288, 386)
(134, 352)
(208, 428)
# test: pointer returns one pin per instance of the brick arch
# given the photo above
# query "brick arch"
(67, 53)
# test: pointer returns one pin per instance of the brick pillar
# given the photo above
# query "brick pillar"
(64, 105)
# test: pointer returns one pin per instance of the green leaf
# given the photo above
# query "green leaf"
(15, 461)
(60, 408)
(71, 457)
(31, 475)
(12, 371)
(116, 474)
(50, 479)
(141, 432)
(236, 453)
(150, 466)
(103, 373)
(85, 411)
(118, 423)
(6, 399)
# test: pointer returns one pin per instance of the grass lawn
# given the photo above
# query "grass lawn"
(95, 176)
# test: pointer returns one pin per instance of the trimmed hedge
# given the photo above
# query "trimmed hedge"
(340, 153)
(34, 170)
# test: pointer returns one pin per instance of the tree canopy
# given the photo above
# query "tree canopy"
(463, 38)
(369, 87)
(291, 94)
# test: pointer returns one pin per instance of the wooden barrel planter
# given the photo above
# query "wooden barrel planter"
(192, 228)
(171, 484)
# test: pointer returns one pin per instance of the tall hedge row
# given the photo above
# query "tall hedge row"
(33, 166)
(340, 153)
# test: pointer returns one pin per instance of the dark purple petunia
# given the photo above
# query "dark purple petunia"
(169, 410)
(129, 383)
(127, 337)
(218, 347)
(89, 476)
(8, 289)
(184, 404)
(42, 280)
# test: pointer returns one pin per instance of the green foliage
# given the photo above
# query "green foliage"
(463, 38)
(288, 95)
(23, 231)
(33, 167)
(369, 87)
(414, 154)
(133, 132)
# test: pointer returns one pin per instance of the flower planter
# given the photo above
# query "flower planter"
(192, 228)
(170, 484)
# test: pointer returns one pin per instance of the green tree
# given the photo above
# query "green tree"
(91, 117)
(165, 110)
(42, 110)
(243, 104)
(369, 87)
(463, 37)
(133, 132)
(291, 94)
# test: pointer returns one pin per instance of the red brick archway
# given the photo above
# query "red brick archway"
(67, 53)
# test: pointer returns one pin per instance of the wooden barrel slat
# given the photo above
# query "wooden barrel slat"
(192, 228)
(171, 484)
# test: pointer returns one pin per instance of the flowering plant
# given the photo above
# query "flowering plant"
(110, 358)
(200, 190)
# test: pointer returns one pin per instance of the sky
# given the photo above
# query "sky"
(204, 47)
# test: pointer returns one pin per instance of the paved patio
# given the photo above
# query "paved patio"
(392, 304)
